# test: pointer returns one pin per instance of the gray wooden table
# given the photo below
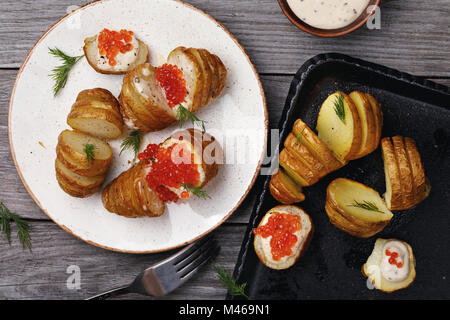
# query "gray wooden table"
(414, 37)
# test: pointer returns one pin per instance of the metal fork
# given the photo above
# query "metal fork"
(169, 274)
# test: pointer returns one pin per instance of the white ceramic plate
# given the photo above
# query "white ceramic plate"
(238, 119)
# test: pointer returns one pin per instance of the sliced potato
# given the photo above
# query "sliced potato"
(74, 191)
(421, 184)
(378, 114)
(206, 73)
(70, 151)
(284, 189)
(304, 235)
(299, 150)
(76, 181)
(359, 204)
(406, 177)
(372, 268)
(296, 169)
(368, 124)
(316, 146)
(339, 126)
(393, 195)
(91, 52)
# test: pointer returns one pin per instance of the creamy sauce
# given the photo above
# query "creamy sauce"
(124, 60)
(328, 14)
(399, 270)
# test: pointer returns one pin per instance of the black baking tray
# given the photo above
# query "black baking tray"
(331, 267)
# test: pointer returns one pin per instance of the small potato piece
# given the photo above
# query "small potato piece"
(284, 189)
(406, 177)
(70, 152)
(378, 114)
(393, 195)
(296, 169)
(304, 235)
(360, 205)
(421, 183)
(372, 270)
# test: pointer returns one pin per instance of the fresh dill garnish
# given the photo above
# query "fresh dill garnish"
(339, 107)
(227, 280)
(133, 142)
(184, 114)
(23, 228)
(300, 137)
(196, 191)
(366, 205)
(88, 149)
(59, 74)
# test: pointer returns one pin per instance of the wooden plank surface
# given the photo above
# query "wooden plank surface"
(42, 273)
(275, 46)
(413, 35)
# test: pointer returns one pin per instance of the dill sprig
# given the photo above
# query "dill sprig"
(88, 149)
(227, 280)
(196, 191)
(300, 137)
(59, 74)
(184, 114)
(366, 205)
(23, 228)
(133, 142)
(339, 107)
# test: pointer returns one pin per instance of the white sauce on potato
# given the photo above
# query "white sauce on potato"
(392, 272)
(328, 14)
(124, 60)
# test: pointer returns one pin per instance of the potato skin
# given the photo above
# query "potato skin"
(281, 192)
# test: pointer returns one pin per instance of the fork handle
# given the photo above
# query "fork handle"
(111, 293)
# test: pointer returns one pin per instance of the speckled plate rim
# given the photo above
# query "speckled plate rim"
(252, 182)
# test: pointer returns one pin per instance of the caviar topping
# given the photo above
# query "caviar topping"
(111, 43)
(170, 78)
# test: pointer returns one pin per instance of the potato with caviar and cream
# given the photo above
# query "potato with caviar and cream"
(115, 52)
(282, 236)
(391, 265)
(171, 171)
(152, 98)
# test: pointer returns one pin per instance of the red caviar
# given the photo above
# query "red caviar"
(170, 167)
(281, 226)
(393, 258)
(170, 78)
(110, 43)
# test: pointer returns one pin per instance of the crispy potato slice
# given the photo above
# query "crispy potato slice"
(393, 195)
(299, 150)
(77, 182)
(421, 184)
(368, 124)
(339, 126)
(284, 189)
(316, 146)
(91, 52)
(304, 236)
(359, 204)
(378, 114)
(406, 177)
(296, 169)
(371, 269)
(206, 73)
(73, 190)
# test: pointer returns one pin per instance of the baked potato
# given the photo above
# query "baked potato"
(378, 114)
(284, 189)
(70, 151)
(356, 208)
(175, 169)
(406, 183)
(282, 236)
(340, 127)
(123, 61)
(391, 265)
(96, 112)
(297, 169)
(143, 99)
